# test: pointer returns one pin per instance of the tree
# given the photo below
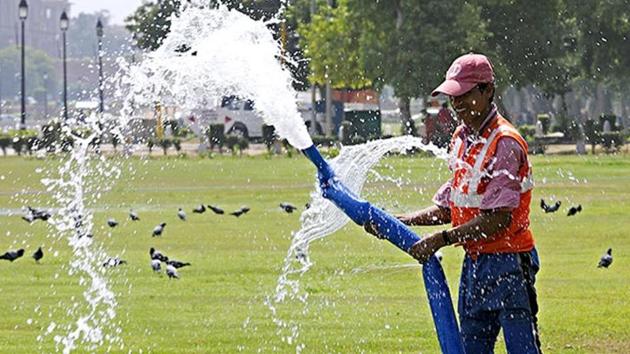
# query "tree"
(331, 43)
(410, 44)
(41, 76)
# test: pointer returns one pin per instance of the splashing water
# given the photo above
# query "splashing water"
(82, 179)
(324, 218)
(211, 53)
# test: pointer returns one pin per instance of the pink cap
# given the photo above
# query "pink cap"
(465, 73)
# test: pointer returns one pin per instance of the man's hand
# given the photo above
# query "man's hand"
(406, 219)
(371, 228)
(425, 248)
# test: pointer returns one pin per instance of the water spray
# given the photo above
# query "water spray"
(393, 230)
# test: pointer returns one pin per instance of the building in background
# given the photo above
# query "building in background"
(42, 24)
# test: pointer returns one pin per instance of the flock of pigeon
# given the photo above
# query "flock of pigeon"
(157, 257)
(606, 260)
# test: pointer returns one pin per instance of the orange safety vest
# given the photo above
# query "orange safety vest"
(470, 166)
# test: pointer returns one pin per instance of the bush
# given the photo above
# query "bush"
(150, 144)
(268, 135)
(320, 140)
(177, 144)
(216, 136)
(527, 131)
(545, 120)
(612, 141)
(165, 143)
(5, 142)
(236, 144)
(23, 140)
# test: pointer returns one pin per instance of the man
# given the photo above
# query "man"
(487, 201)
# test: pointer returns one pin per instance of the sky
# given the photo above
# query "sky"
(119, 9)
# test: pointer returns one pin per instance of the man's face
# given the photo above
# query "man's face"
(471, 105)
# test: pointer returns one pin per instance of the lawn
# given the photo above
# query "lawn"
(364, 294)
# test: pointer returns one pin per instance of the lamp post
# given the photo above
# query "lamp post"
(23, 13)
(99, 34)
(63, 24)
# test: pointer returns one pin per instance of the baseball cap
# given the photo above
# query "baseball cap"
(465, 73)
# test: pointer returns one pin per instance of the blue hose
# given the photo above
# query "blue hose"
(392, 229)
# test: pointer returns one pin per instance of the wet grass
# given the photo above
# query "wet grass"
(364, 294)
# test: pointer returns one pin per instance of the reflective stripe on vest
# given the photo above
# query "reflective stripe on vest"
(472, 199)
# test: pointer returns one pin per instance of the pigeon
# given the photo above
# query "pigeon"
(181, 214)
(29, 218)
(550, 208)
(156, 255)
(177, 264)
(200, 209)
(157, 231)
(36, 214)
(216, 209)
(39, 214)
(12, 255)
(133, 216)
(39, 254)
(240, 212)
(171, 272)
(113, 262)
(288, 207)
(112, 223)
(574, 210)
(606, 259)
(156, 265)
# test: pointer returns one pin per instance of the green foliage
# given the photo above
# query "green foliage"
(545, 120)
(612, 141)
(5, 142)
(527, 131)
(236, 144)
(325, 141)
(216, 136)
(23, 140)
(38, 66)
(165, 143)
(331, 43)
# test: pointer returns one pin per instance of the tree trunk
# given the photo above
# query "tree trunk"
(408, 127)
(580, 144)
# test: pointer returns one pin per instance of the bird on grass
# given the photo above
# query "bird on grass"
(606, 259)
(287, 207)
(157, 255)
(157, 231)
(240, 212)
(156, 265)
(133, 215)
(171, 272)
(39, 254)
(113, 262)
(12, 255)
(36, 214)
(181, 214)
(574, 210)
(550, 208)
(112, 222)
(200, 209)
(177, 264)
(216, 209)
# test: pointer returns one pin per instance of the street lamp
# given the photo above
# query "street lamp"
(23, 13)
(99, 34)
(63, 24)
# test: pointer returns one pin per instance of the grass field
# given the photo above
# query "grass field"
(364, 294)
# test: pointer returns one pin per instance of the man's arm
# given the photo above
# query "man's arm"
(486, 225)
(433, 215)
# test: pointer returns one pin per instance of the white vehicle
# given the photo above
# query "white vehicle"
(240, 118)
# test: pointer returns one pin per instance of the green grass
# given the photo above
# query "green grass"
(218, 304)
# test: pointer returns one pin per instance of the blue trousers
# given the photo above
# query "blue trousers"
(497, 292)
